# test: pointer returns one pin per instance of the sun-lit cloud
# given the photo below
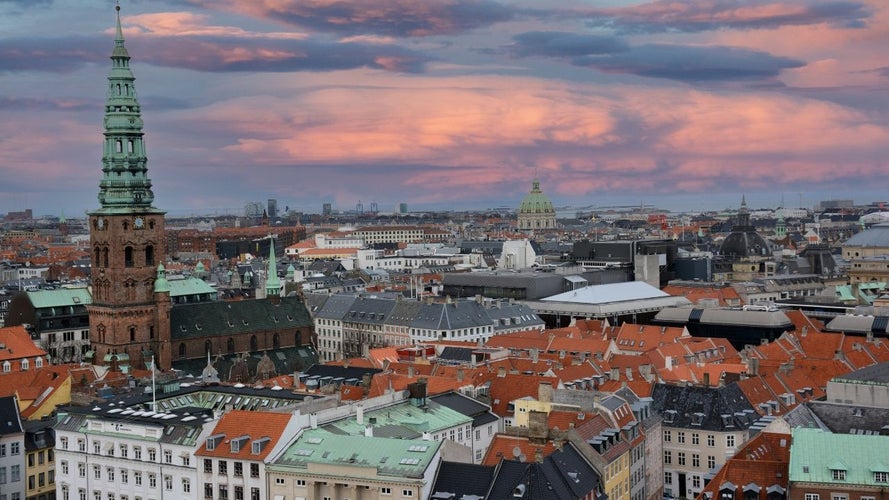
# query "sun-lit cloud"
(399, 18)
(661, 16)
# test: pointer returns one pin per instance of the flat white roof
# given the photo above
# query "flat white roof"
(612, 292)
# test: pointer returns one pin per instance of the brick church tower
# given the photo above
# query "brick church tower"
(129, 314)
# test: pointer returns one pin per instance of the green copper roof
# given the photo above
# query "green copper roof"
(161, 285)
(536, 202)
(191, 286)
(404, 458)
(272, 284)
(60, 298)
(125, 187)
(815, 454)
(404, 421)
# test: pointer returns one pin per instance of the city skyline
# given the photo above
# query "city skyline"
(453, 104)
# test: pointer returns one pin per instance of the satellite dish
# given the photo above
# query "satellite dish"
(516, 452)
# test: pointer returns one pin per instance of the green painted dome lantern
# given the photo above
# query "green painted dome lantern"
(536, 211)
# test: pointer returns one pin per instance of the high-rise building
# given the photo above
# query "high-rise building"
(129, 315)
(326, 209)
(402, 208)
(273, 208)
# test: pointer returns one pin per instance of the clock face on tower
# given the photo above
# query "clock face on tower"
(100, 223)
(138, 223)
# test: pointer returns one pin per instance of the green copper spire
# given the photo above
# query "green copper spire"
(125, 186)
(272, 284)
(161, 285)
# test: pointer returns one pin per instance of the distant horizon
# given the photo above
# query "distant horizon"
(453, 104)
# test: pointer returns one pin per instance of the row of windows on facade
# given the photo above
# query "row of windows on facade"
(100, 259)
(124, 451)
(15, 474)
(230, 344)
(696, 438)
(111, 475)
(302, 483)
(695, 459)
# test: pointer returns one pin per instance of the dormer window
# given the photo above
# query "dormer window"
(25, 364)
(697, 419)
(214, 440)
(838, 474)
(881, 477)
(727, 421)
(238, 443)
(259, 444)
(670, 416)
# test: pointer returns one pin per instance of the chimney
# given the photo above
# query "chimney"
(460, 375)
(501, 371)
(545, 392)
(668, 362)
(368, 431)
(535, 354)
(313, 420)
(359, 415)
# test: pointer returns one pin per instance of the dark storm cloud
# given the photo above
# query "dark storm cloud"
(563, 44)
(691, 63)
(210, 54)
(706, 15)
(55, 55)
(396, 18)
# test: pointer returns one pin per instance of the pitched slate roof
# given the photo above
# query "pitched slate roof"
(458, 481)
(230, 318)
(565, 473)
(710, 408)
(10, 422)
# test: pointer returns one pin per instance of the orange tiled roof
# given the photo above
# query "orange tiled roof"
(255, 424)
(763, 460)
(504, 447)
(18, 345)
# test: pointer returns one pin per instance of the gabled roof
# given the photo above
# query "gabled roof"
(17, 344)
(815, 454)
(761, 463)
(230, 318)
(254, 433)
(710, 408)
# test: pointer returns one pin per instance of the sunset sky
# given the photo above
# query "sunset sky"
(453, 104)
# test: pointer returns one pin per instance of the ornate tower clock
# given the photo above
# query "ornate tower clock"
(129, 322)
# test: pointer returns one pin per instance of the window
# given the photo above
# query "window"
(711, 440)
(407, 493)
(152, 455)
(254, 470)
(836, 496)
(97, 472)
(730, 440)
(668, 436)
(239, 469)
(168, 482)
(881, 477)
(279, 480)
(137, 453)
(208, 490)
(813, 496)
(81, 446)
(239, 493)
(137, 478)
(15, 473)
(254, 493)
(123, 450)
(695, 438)
(152, 481)
(186, 460)
(696, 482)
(301, 482)
(97, 447)
(223, 468)
(124, 476)
(64, 443)
(668, 457)
(680, 437)
(668, 478)
(81, 470)
(385, 491)
(208, 465)
(168, 457)
(711, 461)
(110, 474)
(680, 457)
(186, 485)
(64, 465)
(695, 460)
(223, 492)
(838, 474)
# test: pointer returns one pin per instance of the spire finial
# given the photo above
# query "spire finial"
(119, 35)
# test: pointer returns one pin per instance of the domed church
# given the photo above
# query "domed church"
(744, 242)
(536, 211)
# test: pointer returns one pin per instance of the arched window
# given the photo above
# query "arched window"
(130, 146)
(231, 345)
(132, 334)
(149, 255)
(118, 146)
(38, 362)
(182, 350)
(98, 262)
(7, 367)
(104, 257)
(254, 345)
(276, 341)
(128, 256)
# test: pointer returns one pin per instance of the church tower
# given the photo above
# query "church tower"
(126, 236)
